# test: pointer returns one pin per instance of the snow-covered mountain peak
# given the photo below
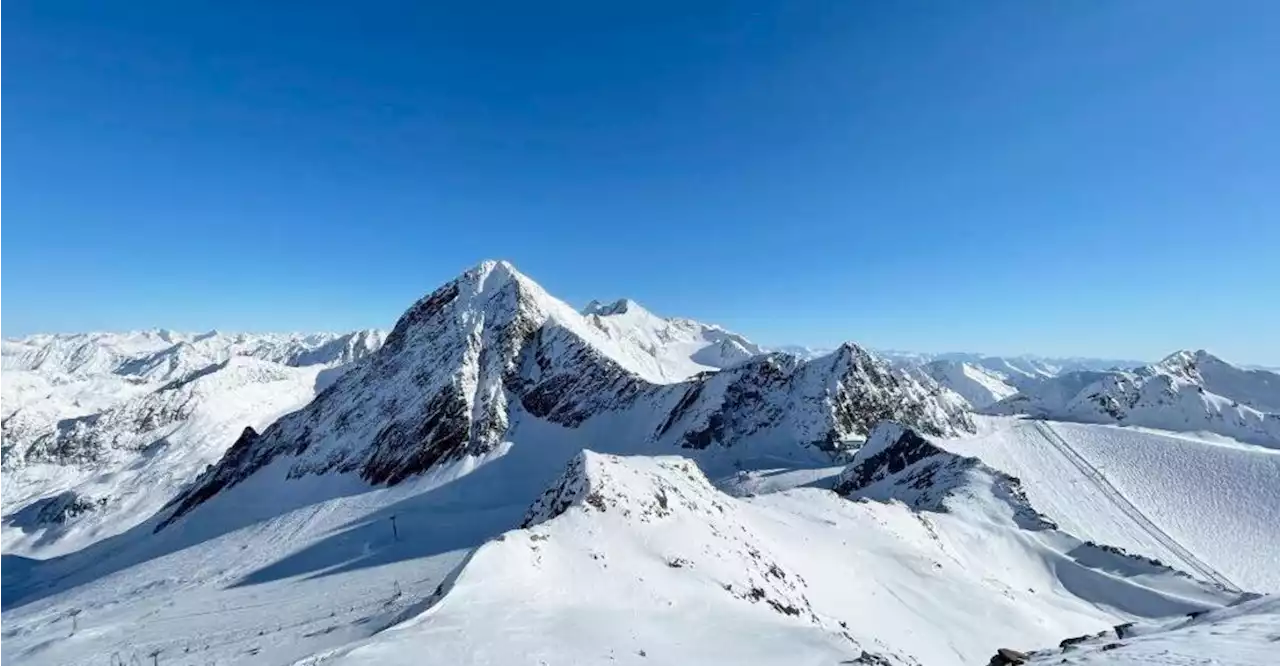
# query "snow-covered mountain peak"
(470, 363)
(1183, 363)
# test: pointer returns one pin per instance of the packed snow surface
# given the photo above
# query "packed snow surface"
(1218, 502)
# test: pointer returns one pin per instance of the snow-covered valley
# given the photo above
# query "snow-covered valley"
(505, 479)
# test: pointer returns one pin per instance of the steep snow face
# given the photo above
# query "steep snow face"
(1190, 392)
(640, 560)
(681, 347)
(465, 364)
(978, 386)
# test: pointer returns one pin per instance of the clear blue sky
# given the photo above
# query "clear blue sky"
(1099, 177)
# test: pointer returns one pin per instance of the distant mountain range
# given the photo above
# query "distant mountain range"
(1187, 391)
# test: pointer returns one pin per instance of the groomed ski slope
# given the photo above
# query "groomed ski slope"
(1215, 499)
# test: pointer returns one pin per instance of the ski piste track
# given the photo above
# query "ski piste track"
(1103, 485)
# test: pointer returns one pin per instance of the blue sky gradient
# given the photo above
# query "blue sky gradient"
(1091, 178)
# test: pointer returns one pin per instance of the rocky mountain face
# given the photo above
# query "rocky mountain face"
(469, 363)
(898, 463)
(1187, 391)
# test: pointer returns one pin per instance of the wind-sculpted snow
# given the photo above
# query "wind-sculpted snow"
(465, 363)
(1190, 392)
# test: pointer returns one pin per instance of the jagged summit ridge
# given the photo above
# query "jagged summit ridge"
(467, 364)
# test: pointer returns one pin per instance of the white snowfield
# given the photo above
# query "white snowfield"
(620, 555)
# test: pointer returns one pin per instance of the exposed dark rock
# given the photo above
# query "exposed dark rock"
(1007, 657)
(923, 475)
(907, 449)
(55, 510)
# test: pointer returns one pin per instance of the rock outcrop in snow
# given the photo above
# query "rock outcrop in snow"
(1187, 391)
(466, 364)
(898, 463)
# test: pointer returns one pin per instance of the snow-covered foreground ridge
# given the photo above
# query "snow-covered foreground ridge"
(924, 556)
(931, 558)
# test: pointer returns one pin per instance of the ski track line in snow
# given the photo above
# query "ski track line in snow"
(1101, 483)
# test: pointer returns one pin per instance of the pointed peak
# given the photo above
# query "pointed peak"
(1182, 361)
(854, 352)
(492, 271)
